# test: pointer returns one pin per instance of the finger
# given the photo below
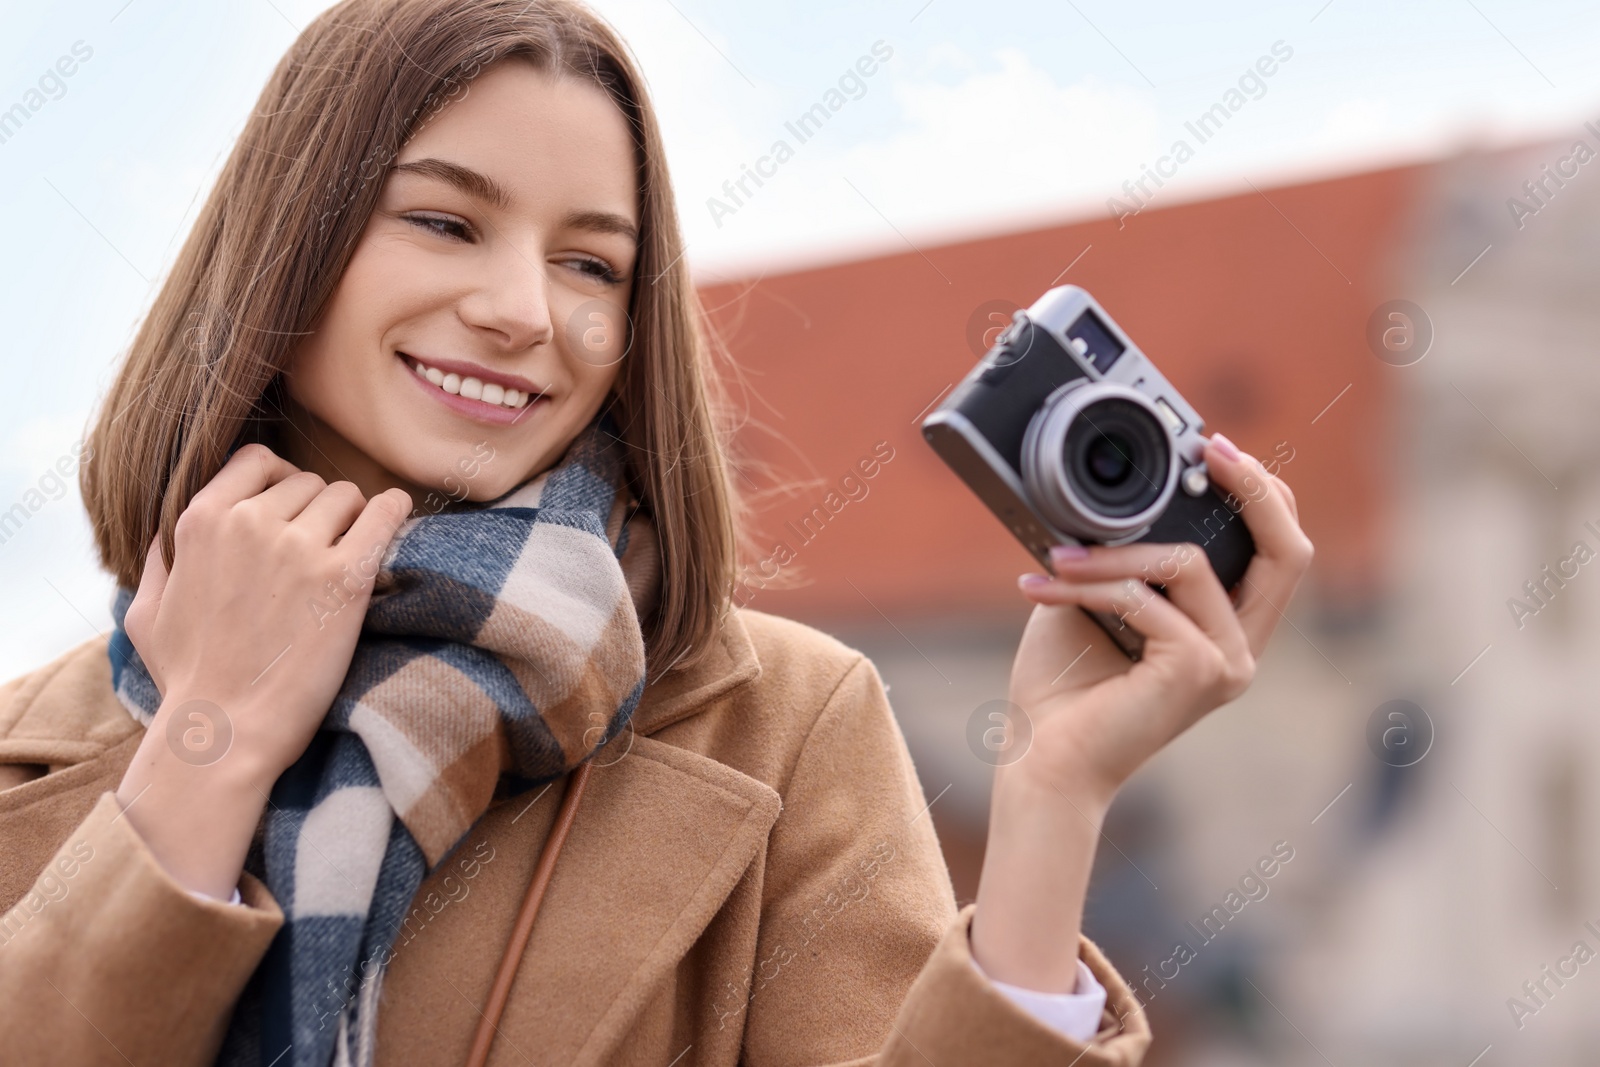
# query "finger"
(1288, 494)
(1183, 569)
(329, 514)
(1132, 602)
(376, 526)
(1283, 552)
(286, 499)
(247, 473)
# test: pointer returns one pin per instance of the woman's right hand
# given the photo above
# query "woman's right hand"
(247, 639)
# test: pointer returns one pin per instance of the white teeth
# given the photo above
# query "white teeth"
(471, 388)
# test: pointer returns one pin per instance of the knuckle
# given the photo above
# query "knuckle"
(395, 505)
(345, 493)
(1239, 673)
(134, 623)
(196, 518)
(296, 542)
(254, 451)
(241, 519)
(1204, 666)
(1304, 552)
(1213, 666)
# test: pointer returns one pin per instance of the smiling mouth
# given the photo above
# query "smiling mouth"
(491, 393)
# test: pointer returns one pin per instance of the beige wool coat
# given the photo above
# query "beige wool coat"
(752, 878)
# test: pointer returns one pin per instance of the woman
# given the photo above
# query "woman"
(408, 530)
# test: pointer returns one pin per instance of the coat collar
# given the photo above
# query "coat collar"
(676, 694)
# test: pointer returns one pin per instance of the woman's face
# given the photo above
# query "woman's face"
(482, 319)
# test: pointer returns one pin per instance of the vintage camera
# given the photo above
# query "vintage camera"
(1070, 435)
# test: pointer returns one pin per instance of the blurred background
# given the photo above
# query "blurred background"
(1361, 238)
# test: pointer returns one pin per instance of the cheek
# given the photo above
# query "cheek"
(591, 384)
(338, 353)
(593, 334)
(594, 342)
(341, 372)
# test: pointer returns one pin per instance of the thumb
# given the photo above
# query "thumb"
(140, 621)
(153, 582)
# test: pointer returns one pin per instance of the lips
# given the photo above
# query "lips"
(473, 390)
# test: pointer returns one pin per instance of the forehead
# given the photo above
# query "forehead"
(552, 142)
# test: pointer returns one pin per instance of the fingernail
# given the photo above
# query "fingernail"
(1032, 581)
(1067, 553)
(1225, 446)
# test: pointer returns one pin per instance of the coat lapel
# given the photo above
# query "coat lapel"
(662, 838)
(65, 717)
(37, 816)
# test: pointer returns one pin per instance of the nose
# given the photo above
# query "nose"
(512, 301)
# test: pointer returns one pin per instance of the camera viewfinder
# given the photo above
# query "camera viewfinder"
(1094, 343)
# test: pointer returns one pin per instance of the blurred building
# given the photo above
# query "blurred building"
(1419, 898)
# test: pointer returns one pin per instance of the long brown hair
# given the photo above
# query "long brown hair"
(277, 231)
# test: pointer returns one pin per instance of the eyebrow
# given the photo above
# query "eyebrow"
(483, 188)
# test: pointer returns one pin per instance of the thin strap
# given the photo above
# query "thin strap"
(489, 1024)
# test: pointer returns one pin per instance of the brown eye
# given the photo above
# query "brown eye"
(599, 268)
(441, 225)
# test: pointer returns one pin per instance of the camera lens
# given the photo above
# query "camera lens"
(1098, 462)
(1108, 460)
(1116, 457)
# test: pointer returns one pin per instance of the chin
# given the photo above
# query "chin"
(477, 470)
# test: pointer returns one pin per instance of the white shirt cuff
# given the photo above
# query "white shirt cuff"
(236, 898)
(1075, 1014)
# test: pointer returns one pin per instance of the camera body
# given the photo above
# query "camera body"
(1070, 435)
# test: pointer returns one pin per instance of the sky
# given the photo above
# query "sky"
(976, 119)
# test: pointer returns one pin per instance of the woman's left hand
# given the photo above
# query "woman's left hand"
(1095, 723)
(1095, 716)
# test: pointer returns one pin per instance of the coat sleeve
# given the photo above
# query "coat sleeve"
(863, 957)
(108, 960)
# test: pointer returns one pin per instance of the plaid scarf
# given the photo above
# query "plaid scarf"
(511, 625)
